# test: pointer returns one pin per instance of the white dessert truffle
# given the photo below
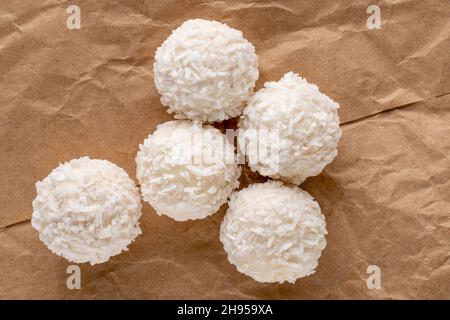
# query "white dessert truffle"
(186, 171)
(297, 124)
(273, 232)
(87, 210)
(205, 71)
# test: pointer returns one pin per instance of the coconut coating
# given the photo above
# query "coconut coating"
(205, 71)
(273, 232)
(186, 171)
(87, 210)
(305, 123)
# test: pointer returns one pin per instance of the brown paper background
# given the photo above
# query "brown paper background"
(68, 93)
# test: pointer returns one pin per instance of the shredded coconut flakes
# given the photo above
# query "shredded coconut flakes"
(205, 71)
(87, 210)
(306, 122)
(273, 232)
(193, 185)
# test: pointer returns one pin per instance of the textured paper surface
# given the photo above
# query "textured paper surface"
(68, 93)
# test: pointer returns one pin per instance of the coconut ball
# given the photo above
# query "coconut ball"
(273, 232)
(289, 130)
(186, 171)
(205, 71)
(87, 210)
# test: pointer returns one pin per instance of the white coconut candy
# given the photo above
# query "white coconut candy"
(205, 71)
(273, 232)
(87, 210)
(304, 122)
(186, 171)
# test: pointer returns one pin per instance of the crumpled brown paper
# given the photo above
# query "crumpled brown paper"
(68, 93)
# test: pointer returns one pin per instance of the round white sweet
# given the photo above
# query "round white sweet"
(296, 123)
(273, 232)
(186, 171)
(87, 210)
(205, 71)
